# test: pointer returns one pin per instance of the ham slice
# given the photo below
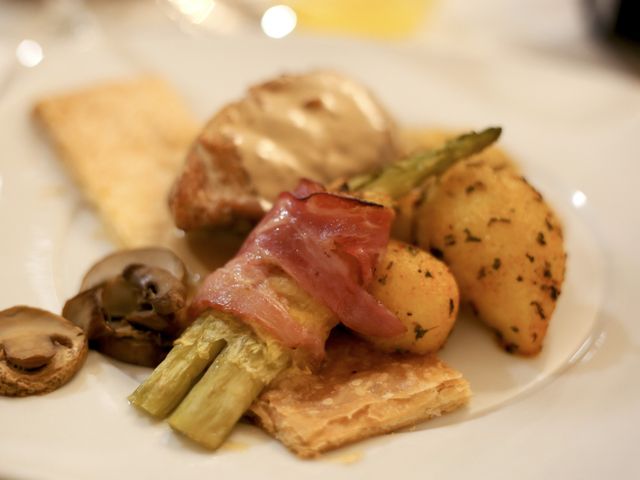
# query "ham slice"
(329, 244)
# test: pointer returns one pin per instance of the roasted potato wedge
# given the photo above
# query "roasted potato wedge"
(421, 291)
(504, 246)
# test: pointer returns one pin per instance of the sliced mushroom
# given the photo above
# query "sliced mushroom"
(148, 320)
(120, 297)
(39, 351)
(164, 292)
(85, 310)
(112, 265)
(136, 310)
(131, 345)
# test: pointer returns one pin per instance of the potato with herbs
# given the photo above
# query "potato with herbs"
(504, 246)
(421, 292)
(404, 226)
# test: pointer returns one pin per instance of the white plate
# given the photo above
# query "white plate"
(557, 118)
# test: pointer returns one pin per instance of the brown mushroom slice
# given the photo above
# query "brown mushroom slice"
(120, 297)
(133, 316)
(85, 310)
(112, 265)
(165, 293)
(148, 320)
(119, 339)
(137, 347)
(39, 351)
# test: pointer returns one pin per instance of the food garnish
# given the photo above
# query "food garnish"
(319, 258)
(39, 351)
(239, 373)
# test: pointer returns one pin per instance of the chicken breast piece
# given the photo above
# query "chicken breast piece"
(320, 126)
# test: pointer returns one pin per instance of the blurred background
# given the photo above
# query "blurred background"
(606, 32)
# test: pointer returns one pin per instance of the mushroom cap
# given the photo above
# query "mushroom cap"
(165, 293)
(133, 306)
(112, 265)
(39, 351)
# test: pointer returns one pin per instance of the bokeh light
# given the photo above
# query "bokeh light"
(278, 21)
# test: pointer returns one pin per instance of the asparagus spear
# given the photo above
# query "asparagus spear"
(207, 408)
(226, 391)
(191, 354)
(399, 178)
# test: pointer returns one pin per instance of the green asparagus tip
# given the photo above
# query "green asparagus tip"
(401, 177)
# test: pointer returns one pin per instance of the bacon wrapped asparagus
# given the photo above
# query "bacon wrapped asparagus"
(302, 270)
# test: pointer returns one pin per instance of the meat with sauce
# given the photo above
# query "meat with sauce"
(319, 126)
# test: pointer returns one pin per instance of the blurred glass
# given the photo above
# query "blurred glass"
(617, 19)
(278, 18)
(374, 18)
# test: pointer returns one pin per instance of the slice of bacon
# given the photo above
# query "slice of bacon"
(329, 244)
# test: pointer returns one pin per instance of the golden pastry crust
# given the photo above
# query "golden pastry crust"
(124, 144)
(358, 393)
